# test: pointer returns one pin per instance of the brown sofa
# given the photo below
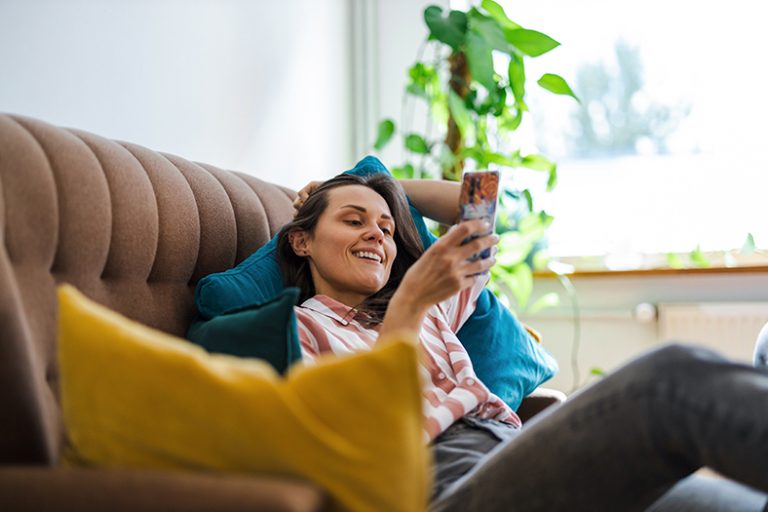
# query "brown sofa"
(135, 230)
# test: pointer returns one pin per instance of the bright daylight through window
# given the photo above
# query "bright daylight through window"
(664, 162)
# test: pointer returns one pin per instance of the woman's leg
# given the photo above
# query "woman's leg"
(623, 442)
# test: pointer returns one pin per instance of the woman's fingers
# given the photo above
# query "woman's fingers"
(305, 192)
(479, 266)
(476, 246)
(460, 232)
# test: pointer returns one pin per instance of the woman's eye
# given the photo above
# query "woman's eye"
(354, 223)
(386, 231)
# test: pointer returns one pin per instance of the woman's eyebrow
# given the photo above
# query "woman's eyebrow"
(363, 210)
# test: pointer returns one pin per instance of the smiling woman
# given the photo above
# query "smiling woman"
(319, 251)
(364, 277)
(351, 252)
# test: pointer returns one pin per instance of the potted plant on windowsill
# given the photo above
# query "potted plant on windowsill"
(474, 89)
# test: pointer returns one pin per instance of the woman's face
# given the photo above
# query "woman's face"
(353, 246)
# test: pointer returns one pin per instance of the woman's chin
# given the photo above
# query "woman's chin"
(370, 288)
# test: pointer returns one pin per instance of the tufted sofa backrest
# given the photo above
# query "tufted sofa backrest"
(132, 228)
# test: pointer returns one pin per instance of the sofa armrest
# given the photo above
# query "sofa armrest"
(59, 489)
(538, 400)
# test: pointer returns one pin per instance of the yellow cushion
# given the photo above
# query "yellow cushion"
(135, 397)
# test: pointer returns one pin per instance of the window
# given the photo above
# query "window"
(665, 161)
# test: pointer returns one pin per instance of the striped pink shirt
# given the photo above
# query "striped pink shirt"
(451, 388)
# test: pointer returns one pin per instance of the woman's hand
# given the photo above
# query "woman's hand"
(445, 269)
(441, 272)
(304, 194)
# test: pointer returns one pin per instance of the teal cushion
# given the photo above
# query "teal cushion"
(266, 331)
(505, 357)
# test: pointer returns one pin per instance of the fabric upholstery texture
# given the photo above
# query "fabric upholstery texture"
(134, 397)
(266, 331)
(133, 228)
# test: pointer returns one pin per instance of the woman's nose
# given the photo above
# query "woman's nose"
(375, 233)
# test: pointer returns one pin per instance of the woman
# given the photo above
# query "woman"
(619, 445)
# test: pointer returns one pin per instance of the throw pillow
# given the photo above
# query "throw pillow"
(267, 331)
(506, 358)
(134, 397)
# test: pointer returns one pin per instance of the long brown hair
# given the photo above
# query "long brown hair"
(295, 269)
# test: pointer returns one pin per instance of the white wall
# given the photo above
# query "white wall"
(387, 35)
(610, 335)
(258, 86)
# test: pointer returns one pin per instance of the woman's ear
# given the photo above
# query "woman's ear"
(299, 241)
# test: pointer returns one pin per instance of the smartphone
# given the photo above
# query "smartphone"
(478, 198)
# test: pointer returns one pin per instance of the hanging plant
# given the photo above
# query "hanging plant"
(475, 90)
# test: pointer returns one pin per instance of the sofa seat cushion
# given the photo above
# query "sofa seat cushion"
(134, 397)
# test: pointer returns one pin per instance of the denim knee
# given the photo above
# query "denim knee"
(675, 358)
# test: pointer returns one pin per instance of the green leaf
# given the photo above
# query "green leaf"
(480, 60)
(416, 144)
(533, 226)
(511, 123)
(405, 172)
(385, 131)
(500, 159)
(528, 199)
(461, 116)
(674, 260)
(490, 30)
(517, 78)
(449, 30)
(417, 90)
(519, 280)
(439, 109)
(530, 42)
(513, 248)
(497, 13)
(423, 78)
(537, 163)
(557, 85)
(749, 245)
(698, 258)
(548, 300)
(552, 178)
(597, 371)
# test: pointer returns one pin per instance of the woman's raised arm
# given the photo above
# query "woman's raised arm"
(436, 199)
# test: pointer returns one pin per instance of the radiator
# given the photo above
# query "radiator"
(731, 328)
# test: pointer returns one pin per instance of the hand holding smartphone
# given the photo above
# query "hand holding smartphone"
(478, 198)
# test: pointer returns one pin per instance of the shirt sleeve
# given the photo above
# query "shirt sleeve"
(307, 340)
(460, 307)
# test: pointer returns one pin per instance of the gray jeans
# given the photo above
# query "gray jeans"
(626, 443)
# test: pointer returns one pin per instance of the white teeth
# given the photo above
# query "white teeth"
(367, 255)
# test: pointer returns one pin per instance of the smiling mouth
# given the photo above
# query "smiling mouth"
(367, 255)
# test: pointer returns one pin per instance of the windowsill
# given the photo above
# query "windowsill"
(656, 271)
(712, 263)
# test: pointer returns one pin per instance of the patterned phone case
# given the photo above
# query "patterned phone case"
(479, 191)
